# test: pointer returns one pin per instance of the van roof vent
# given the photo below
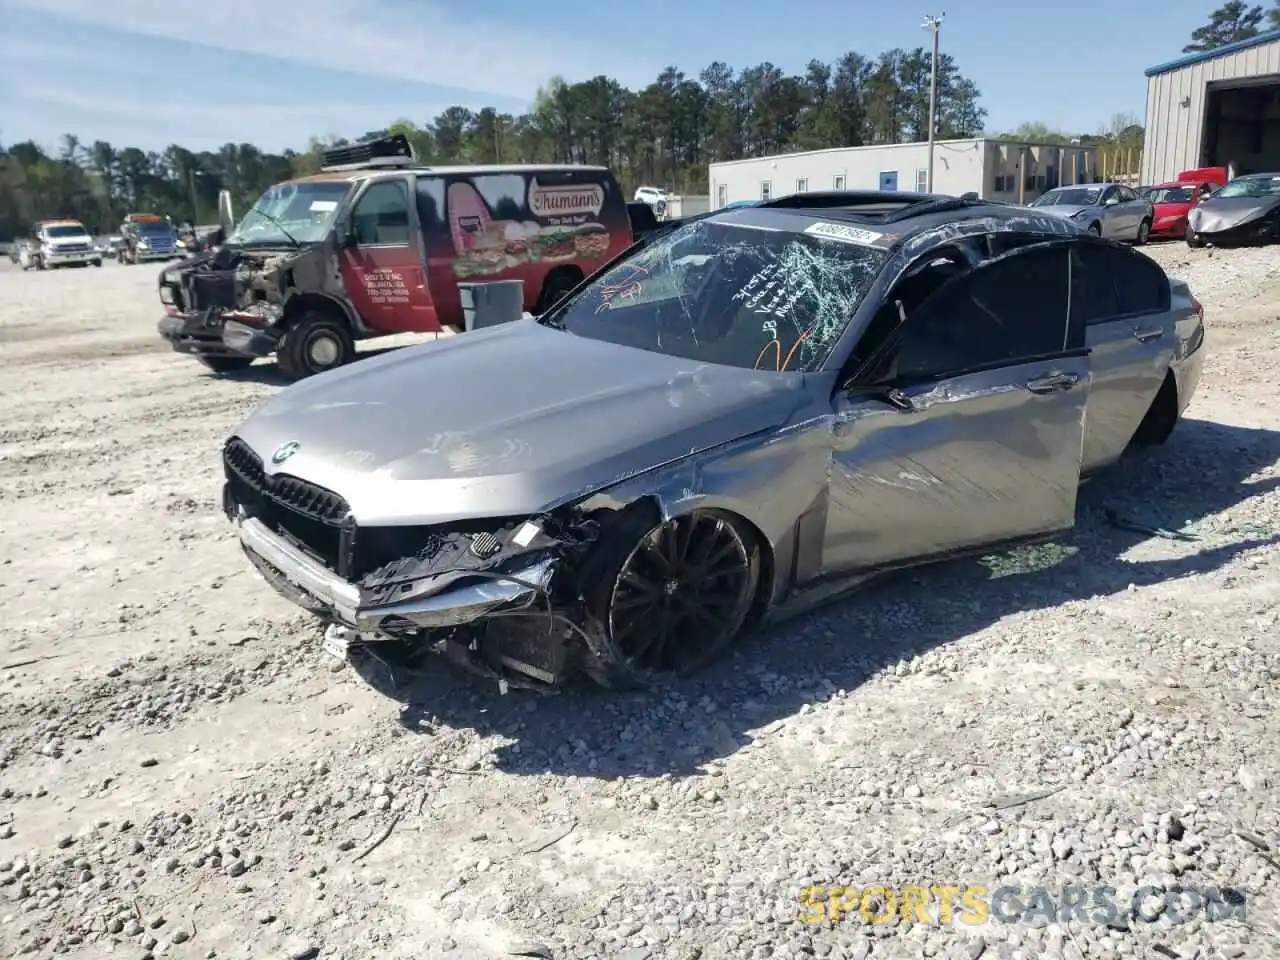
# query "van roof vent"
(390, 151)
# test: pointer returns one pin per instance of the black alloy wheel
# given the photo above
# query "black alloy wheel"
(682, 594)
(1144, 231)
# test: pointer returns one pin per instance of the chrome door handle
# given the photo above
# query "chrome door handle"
(1053, 383)
(1146, 336)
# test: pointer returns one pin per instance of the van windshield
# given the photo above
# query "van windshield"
(304, 209)
(715, 292)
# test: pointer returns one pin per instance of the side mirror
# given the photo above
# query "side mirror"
(348, 239)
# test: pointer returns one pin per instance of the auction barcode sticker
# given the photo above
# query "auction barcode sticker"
(843, 233)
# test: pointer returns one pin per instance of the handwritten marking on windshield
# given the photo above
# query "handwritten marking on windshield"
(625, 289)
(780, 363)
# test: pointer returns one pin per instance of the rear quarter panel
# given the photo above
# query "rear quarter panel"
(1187, 363)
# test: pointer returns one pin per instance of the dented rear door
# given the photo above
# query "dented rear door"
(980, 458)
(984, 441)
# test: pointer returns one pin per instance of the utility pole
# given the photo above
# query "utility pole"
(195, 203)
(933, 23)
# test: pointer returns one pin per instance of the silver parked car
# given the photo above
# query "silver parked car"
(1105, 209)
(1246, 210)
(729, 422)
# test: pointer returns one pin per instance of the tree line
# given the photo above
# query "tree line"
(664, 135)
(1233, 21)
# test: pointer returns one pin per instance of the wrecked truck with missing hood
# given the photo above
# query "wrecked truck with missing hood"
(732, 421)
(377, 244)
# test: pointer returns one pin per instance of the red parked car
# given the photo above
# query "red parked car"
(1171, 203)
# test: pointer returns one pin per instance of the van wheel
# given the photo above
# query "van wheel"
(315, 343)
(557, 285)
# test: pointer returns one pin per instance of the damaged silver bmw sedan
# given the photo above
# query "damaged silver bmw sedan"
(732, 421)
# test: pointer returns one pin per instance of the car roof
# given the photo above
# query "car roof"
(364, 173)
(59, 223)
(892, 219)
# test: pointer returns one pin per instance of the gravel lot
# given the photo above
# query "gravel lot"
(183, 773)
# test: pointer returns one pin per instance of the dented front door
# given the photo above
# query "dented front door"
(383, 268)
(980, 458)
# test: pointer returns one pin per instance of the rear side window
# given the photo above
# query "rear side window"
(1141, 285)
(1093, 292)
(1010, 310)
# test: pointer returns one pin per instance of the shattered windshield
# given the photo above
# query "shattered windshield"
(1171, 195)
(1075, 197)
(1260, 187)
(717, 292)
(304, 209)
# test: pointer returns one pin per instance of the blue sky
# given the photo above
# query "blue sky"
(152, 72)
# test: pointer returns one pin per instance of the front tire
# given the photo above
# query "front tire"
(315, 343)
(667, 597)
(1095, 229)
(1144, 233)
(1193, 239)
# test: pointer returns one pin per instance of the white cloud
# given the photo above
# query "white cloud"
(155, 122)
(377, 38)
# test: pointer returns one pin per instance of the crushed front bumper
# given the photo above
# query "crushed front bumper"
(210, 333)
(447, 600)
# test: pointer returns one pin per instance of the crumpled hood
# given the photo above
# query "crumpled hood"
(508, 421)
(1225, 213)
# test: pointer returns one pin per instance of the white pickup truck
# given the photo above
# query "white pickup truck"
(59, 243)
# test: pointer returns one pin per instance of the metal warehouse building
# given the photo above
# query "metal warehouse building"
(1007, 170)
(1213, 109)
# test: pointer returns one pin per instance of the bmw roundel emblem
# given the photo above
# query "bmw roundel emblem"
(285, 451)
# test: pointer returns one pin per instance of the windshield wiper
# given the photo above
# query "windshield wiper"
(267, 216)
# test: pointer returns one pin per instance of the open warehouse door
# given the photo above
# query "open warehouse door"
(1242, 125)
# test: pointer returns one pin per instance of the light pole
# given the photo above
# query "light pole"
(933, 23)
